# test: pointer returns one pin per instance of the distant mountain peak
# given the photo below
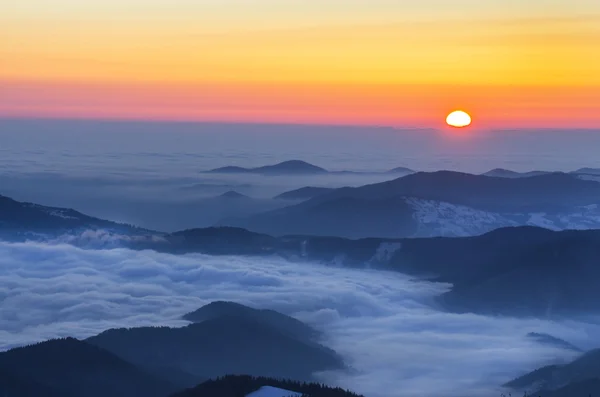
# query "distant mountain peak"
(552, 341)
(229, 169)
(19, 220)
(294, 163)
(233, 194)
(401, 170)
(225, 338)
(286, 324)
(501, 171)
(587, 170)
(285, 167)
(505, 173)
(292, 166)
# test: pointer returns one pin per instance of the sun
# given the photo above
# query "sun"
(458, 119)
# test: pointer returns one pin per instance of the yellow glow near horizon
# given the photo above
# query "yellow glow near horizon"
(260, 54)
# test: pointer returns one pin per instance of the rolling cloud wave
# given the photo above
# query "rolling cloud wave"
(384, 324)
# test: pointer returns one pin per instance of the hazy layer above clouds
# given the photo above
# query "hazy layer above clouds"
(149, 174)
(380, 322)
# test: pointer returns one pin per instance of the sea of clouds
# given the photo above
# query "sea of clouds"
(150, 173)
(383, 323)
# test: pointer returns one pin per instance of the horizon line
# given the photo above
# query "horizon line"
(140, 120)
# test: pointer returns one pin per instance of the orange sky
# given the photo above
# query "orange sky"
(353, 62)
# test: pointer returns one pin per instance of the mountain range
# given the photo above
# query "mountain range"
(21, 221)
(300, 167)
(72, 368)
(519, 271)
(550, 340)
(417, 205)
(284, 324)
(226, 338)
(578, 377)
(504, 173)
(248, 386)
(581, 173)
(283, 168)
(440, 203)
(513, 270)
(293, 167)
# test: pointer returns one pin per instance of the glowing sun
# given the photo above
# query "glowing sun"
(458, 119)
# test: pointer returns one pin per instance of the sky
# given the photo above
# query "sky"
(377, 62)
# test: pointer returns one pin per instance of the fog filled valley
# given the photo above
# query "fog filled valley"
(161, 270)
(385, 326)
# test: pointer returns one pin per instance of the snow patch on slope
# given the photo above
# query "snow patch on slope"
(269, 391)
(589, 177)
(61, 214)
(57, 212)
(438, 218)
(587, 217)
(540, 220)
(385, 251)
(103, 239)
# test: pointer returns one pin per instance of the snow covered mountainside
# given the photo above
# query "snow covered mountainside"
(21, 221)
(437, 218)
(243, 385)
(270, 391)
(442, 203)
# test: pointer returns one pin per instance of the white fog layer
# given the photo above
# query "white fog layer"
(384, 325)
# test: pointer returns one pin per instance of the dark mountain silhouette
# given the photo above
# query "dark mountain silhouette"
(552, 341)
(504, 173)
(20, 220)
(349, 217)
(588, 387)
(283, 168)
(515, 271)
(437, 203)
(219, 241)
(219, 346)
(241, 386)
(237, 241)
(542, 192)
(13, 386)
(285, 324)
(211, 210)
(232, 194)
(555, 380)
(588, 171)
(291, 167)
(230, 169)
(74, 368)
(534, 380)
(156, 361)
(304, 193)
(401, 170)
